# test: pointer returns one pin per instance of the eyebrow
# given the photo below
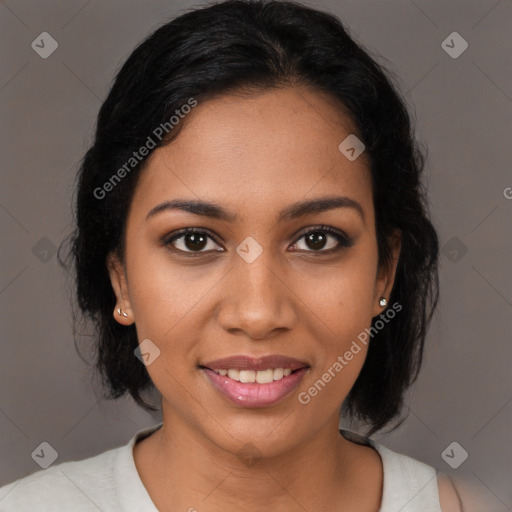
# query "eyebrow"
(294, 211)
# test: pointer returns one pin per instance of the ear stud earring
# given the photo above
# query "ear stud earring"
(383, 302)
(120, 312)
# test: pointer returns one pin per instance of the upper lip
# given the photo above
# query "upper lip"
(241, 362)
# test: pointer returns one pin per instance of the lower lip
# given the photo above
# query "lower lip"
(253, 394)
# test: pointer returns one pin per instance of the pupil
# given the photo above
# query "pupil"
(316, 240)
(195, 241)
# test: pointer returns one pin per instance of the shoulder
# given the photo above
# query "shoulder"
(414, 485)
(448, 496)
(80, 486)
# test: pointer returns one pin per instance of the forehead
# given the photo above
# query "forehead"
(255, 151)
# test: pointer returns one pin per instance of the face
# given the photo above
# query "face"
(256, 273)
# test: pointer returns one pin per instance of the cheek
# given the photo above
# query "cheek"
(342, 295)
(339, 301)
(342, 307)
(166, 303)
(163, 294)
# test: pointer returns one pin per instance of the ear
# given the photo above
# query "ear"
(386, 274)
(119, 285)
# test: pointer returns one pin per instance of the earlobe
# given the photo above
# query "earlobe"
(122, 312)
(386, 276)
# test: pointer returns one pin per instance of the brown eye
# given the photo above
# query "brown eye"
(316, 240)
(195, 241)
(191, 240)
(322, 239)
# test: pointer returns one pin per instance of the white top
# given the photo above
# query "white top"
(109, 482)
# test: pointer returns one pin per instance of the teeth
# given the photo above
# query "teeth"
(278, 373)
(260, 376)
(247, 376)
(233, 374)
(264, 376)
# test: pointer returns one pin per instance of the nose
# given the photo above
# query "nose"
(257, 301)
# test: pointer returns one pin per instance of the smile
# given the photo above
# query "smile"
(255, 382)
(260, 376)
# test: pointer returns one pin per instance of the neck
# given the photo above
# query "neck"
(183, 469)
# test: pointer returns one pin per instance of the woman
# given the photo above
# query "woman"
(253, 240)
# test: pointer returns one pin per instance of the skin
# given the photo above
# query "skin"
(254, 156)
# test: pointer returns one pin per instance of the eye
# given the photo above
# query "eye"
(192, 240)
(317, 240)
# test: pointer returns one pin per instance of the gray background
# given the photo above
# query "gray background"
(464, 112)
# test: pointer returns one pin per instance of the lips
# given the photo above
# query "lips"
(237, 378)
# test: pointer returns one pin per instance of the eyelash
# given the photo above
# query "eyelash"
(343, 240)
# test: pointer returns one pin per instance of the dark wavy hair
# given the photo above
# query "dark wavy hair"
(242, 46)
